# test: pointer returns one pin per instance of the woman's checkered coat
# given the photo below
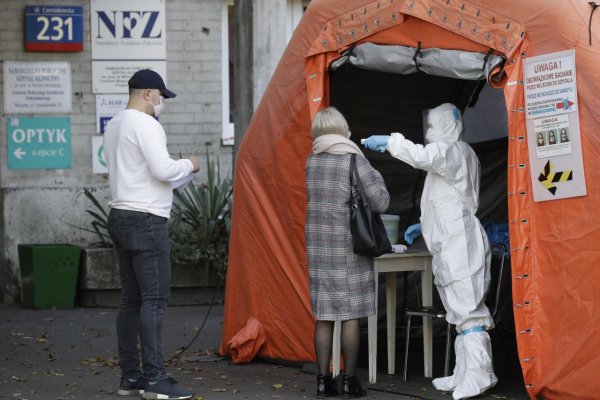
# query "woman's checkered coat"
(342, 284)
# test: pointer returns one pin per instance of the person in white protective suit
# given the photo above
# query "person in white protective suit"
(456, 240)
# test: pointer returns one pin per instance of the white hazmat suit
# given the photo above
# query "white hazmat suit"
(457, 242)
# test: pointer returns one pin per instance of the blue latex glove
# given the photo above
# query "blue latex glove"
(413, 232)
(377, 143)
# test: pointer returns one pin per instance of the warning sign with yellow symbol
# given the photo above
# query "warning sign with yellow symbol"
(553, 134)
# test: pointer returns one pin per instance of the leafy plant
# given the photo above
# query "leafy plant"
(201, 224)
(99, 224)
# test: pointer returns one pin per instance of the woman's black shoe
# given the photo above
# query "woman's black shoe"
(326, 387)
(351, 388)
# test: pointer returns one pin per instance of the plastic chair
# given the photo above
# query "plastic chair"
(492, 300)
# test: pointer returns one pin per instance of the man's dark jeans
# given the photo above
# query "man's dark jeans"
(142, 242)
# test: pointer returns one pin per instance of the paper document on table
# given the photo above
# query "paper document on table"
(399, 248)
(180, 184)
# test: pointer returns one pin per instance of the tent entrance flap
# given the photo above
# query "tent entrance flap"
(409, 60)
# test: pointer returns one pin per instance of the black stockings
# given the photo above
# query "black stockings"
(323, 343)
(350, 345)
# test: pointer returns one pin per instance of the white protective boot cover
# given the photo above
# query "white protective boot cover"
(479, 371)
(449, 383)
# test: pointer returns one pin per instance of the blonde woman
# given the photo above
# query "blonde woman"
(342, 284)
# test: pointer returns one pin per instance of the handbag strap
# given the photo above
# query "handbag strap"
(359, 187)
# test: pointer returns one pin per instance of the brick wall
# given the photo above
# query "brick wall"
(37, 204)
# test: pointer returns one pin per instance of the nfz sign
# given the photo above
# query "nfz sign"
(38, 143)
(128, 30)
(54, 28)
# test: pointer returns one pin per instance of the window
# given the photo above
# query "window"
(228, 54)
(295, 10)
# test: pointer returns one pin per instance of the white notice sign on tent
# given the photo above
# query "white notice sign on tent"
(553, 136)
(550, 84)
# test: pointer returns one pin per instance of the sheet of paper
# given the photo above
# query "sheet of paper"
(398, 248)
(181, 184)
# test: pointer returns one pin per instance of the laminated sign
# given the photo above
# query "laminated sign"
(39, 143)
(53, 28)
(126, 35)
(37, 87)
(551, 107)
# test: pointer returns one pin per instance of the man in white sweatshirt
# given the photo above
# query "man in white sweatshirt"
(140, 173)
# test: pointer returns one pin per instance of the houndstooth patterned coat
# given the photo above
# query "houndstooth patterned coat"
(342, 284)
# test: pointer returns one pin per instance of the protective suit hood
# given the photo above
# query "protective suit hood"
(444, 124)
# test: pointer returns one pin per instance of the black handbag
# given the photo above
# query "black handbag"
(368, 231)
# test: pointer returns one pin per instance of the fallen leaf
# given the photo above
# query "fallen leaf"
(277, 385)
(53, 372)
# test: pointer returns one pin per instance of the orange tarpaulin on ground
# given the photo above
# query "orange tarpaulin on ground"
(554, 244)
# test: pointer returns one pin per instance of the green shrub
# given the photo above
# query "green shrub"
(201, 223)
(99, 222)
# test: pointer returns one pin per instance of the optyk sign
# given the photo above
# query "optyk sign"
(39, 143)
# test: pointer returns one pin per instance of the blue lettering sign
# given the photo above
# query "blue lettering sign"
(122, 23)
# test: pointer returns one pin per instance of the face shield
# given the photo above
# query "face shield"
(442, 124)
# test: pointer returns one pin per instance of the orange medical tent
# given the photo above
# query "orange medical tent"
(554, 244)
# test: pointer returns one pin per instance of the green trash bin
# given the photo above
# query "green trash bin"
(49, 274)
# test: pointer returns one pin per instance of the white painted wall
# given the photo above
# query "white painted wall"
(274, 24)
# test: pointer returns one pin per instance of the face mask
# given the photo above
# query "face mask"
(158, 107)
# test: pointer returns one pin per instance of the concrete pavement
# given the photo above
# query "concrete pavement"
(71, 354)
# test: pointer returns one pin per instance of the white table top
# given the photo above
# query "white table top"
(423, 253)
(398, 262)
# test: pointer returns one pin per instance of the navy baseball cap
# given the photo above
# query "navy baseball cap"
(148, 79)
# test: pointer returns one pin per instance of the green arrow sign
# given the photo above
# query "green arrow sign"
(39, 143)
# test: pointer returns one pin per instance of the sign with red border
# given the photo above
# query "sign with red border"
(54, 28)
